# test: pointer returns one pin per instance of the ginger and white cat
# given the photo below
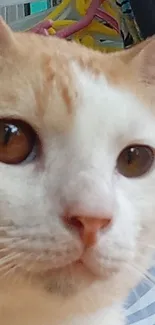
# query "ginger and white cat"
(77, 171)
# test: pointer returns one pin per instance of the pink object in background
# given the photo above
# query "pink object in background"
(100, 13)
(93, 11)
(42, 28)
(84, 22)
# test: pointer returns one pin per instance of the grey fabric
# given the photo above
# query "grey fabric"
(140, 305)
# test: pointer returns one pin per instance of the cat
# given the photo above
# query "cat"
(77, 171)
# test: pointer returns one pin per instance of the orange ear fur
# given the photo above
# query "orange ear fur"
(6, 36)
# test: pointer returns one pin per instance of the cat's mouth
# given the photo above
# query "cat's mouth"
(76, 266)
(69, 279)
(68, 276)
(73, 271)
(78, 269)
(73, 278)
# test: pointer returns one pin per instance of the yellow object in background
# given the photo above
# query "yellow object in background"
(97, 34)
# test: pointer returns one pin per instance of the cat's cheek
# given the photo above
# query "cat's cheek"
(136, 207)
(117, 247)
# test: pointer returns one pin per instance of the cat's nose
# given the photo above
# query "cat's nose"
(88, 227)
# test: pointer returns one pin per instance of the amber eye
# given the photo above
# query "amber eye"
(17, 140)
(134, 161)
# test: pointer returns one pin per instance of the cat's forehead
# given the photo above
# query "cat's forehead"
(32, 74)
(37, 76)
(46, 79)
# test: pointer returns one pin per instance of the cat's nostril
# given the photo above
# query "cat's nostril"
(88, 227)
(76, 223)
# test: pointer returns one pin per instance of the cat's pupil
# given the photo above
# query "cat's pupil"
(9, 130)
(130, 156)
(133, 154)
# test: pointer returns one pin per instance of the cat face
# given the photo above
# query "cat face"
(77, 171)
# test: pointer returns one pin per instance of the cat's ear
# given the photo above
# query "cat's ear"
(141, 58)
(6, 36)
(133, 53)
(147, 62)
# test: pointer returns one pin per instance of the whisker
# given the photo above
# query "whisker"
(6, 267)
(5, 240)
(13, 238)
(18, 241)
(146, 244)
(4, 249)
(149, 277)
(9, 258)
(10, 271)
(9, 267)
(6, 228)
(25, 262)
(144, 274)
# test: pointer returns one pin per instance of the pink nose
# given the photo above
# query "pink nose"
(87, 227)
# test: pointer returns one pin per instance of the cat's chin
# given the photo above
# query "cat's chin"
(71, 279)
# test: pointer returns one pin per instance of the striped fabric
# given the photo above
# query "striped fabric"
(140, 306)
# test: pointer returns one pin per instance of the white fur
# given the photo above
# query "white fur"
(79, 171)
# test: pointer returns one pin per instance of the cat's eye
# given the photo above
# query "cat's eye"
(135, 161)
(17, 140)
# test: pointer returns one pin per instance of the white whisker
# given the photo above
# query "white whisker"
(9, 258)
(4, 250)
(10, 271)
(25, 262)
(6, 267)
(5, 240)
(146, 244)
(143, 274)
